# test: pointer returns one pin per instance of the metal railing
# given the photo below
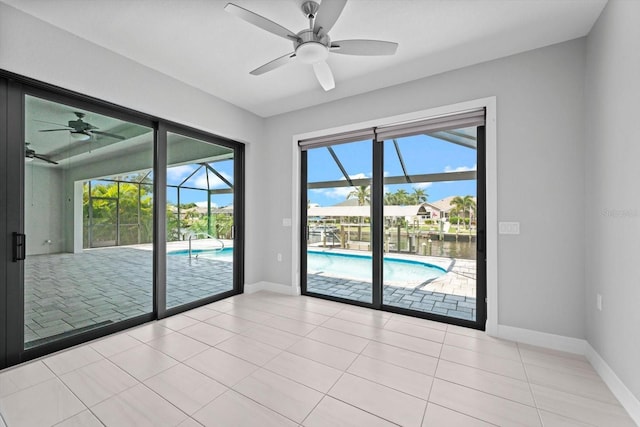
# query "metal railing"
(208, 236)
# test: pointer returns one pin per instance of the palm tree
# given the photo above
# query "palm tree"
(402, 197)
(472, 209)
(362, 193)
(389, 199)
(419, 195)
(458, 204)
(462, 205)
(455, 211)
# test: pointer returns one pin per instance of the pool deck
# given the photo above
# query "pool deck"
(74, 292)
(452, 294)
(66, 293)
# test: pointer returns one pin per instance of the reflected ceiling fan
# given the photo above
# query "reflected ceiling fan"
(81, 130)
(313, 45)
(31, 154)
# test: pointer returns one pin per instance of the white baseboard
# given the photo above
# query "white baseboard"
(574, 345)
(270, 286)
(542, 339)
(617, 387)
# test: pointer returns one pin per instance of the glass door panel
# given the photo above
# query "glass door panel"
(83, 270)
(339, 239)
(430, 223)
(200, 219)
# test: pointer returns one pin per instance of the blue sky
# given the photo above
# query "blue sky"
(176, 174)
(422, 154)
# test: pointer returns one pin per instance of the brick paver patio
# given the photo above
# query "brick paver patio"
(452, 294)
(73, 292)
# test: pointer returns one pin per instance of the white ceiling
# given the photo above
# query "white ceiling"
(198, 43)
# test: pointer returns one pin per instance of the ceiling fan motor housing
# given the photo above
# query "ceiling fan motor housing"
(311, 48)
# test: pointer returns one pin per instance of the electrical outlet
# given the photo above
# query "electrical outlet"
(509, 227)
(279, 257)
(599, 302)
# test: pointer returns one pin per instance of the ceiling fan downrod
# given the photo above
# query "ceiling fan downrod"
(310, 8)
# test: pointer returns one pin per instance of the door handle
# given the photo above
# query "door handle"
(19, 247)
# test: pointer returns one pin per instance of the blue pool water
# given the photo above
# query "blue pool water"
(359, 267)
(225, 254)
(352, 266)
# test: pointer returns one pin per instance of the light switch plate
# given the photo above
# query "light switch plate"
(509, 227)
(286, 222)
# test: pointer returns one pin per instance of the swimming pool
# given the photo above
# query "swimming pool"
(358, 267)
(350, 266)
(225, 254)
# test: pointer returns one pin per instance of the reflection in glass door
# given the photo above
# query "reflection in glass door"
(80, 274)
(85, 187)
(339, 237)
(200, 219)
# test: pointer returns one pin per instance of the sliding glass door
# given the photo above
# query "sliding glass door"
(430, 223)
(88, 253)
(111, 219)
(338, 227)
(200, 219)
(407, 215)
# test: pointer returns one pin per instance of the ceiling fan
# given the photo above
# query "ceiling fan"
(31, 154)
(82, 130)
(313, 45)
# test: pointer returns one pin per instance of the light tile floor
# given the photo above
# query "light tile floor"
(272, 360)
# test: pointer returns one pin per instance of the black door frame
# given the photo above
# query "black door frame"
(13, 89)
(377, 249)
(238, 216)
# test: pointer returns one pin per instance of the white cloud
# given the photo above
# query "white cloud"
(422, 185)
(203, 204)
(178, 173)
(340, 192)
(460, 168)
(334, 193)
(360, 175)
(214, 181)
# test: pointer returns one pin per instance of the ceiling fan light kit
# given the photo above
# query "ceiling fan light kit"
(80, 136)
(313, 45)
(30, 155)
(312, 52)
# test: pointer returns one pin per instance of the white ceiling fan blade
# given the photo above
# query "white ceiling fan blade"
(260, 21)
(324, 75)
(278, 62)
(327, 15)
(364, 47)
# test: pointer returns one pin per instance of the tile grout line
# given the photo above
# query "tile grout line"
(344, 371)
(533, 396)
(424, 414)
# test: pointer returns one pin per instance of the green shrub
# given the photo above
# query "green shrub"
(454, 220)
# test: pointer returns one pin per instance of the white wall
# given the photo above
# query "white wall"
(36, 49)
(540, 171)
(612, 204)
(43, 209)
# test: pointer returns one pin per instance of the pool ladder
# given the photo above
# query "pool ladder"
(208, 236)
